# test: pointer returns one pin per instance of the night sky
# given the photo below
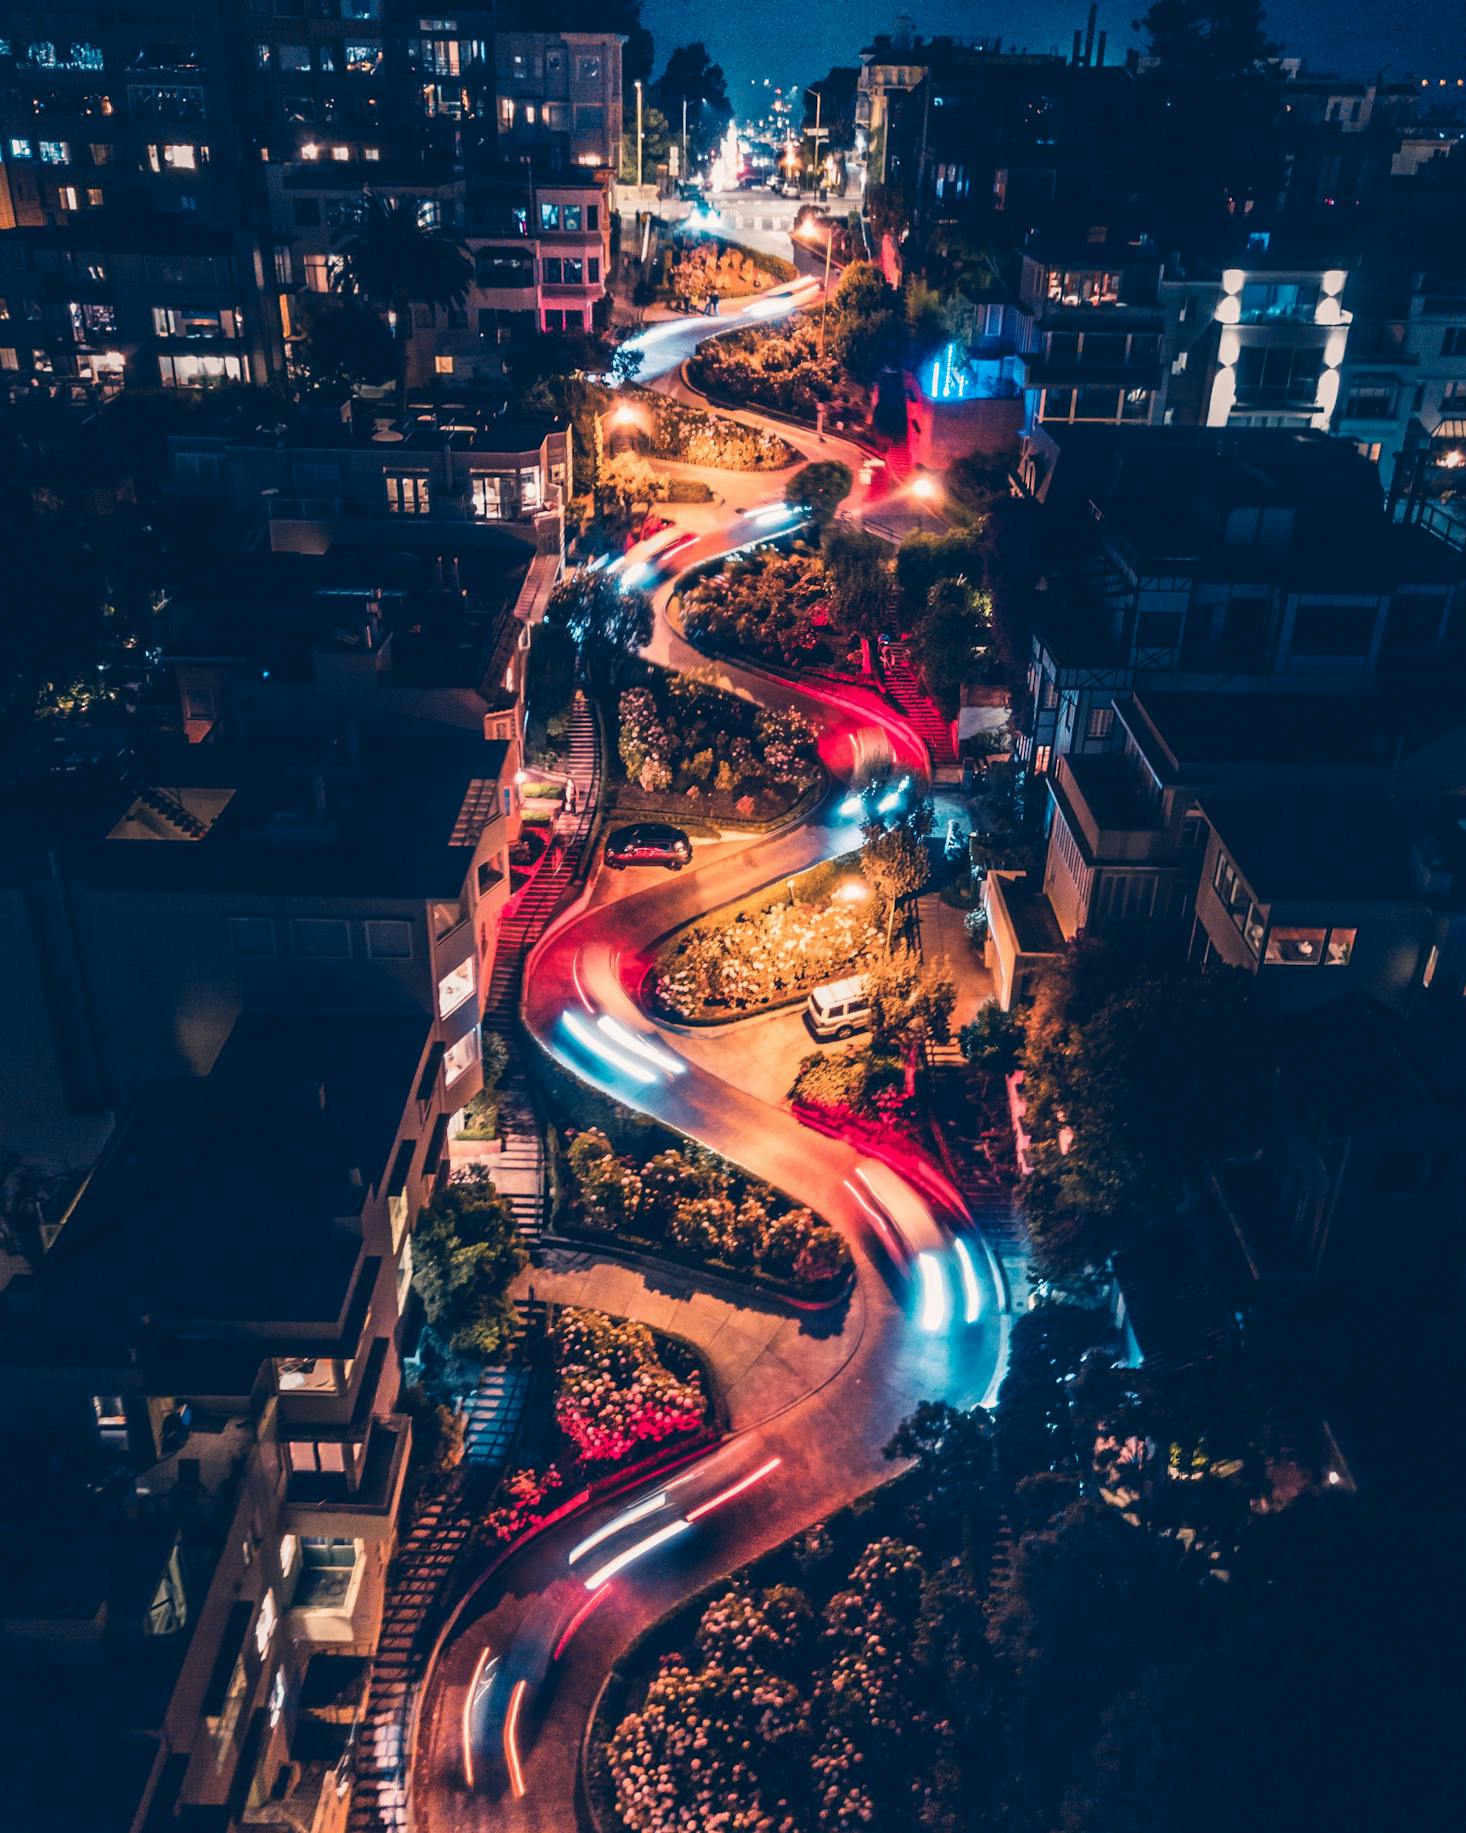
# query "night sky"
(797, 40)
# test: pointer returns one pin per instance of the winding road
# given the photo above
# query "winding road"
(507, 1706)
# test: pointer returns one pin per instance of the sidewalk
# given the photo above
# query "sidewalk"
(943, 932)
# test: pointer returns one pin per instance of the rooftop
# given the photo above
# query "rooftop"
(1344, 848)
(424, 426)
(290, 816)
(1183, 736)
(223, 1204)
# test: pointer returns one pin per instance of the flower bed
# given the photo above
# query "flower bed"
(772, 606)
(797, 1681)
(693, 436)
(696, 1207)
(614, 1392)
(731, 967)
(779, 368)
(712, 751)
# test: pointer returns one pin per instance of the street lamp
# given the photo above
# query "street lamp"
(638, 133)
(810, 234)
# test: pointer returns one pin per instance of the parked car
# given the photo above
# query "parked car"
(649, 843)
(840, 1008)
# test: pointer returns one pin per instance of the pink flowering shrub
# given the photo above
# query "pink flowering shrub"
(614, 1392)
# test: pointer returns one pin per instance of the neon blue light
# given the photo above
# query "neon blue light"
(971, 1293)
(588, 1040)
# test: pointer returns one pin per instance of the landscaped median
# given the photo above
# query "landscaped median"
(687, 748)
(686, 1205)
(768, 949)
(620, 1396)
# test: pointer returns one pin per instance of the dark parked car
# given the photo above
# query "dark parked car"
(649, 843)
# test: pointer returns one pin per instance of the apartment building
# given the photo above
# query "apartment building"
(559, 99)
(337, 870)
(540, 244)
(199, 1388)
(1090, 349)
(432, 474)
(1216, 561)
(1404, 372)
(1369, 892)
(86, 311)
(105, 109)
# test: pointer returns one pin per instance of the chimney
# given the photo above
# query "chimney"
(1089, 36)
(1078, 44)
(1099, 52)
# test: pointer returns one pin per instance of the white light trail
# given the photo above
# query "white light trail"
(934, 1305)
(971, 1292)
(641, 1046)
(637, 1512)
(623, 1559)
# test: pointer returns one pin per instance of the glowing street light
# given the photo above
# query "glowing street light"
(927, 489)
(810, 233)
(852, 891)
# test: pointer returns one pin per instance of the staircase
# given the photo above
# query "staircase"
(519, 1170)
(422, 1566)
(904, 688)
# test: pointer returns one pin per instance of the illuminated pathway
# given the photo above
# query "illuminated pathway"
(507, 1709)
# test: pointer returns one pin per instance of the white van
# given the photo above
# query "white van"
(838, 1009)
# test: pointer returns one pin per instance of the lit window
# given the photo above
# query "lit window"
(460, 1058)
(21, 149)
(1340, 950)
(289, 1553)
(443, 365)
(407, 493)
(506, 112)
(549, 216)
(101, 152)
(1294, 947)
(277, 1697)
(265, 1622)
(1432, 961)
(371, 152)
(295, 57)
(455, 987)
(55, 152)
(341, 152)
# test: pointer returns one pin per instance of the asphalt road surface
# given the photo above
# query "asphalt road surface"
(507, 1708)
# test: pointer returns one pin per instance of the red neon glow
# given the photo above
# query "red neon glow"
(596, 1597)
(735, 1489)
(511, 1738)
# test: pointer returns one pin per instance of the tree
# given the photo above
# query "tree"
(948, 641)
(692, 77)
(1208, 112)
(974, 486)
(859, 571)
(992, 1040)
(820, 488)
(953, 1451)
(549, 676)
(466, 1252)
(911, 1002)
(606, 623)
(1149, 1074)
(346, 342)
(395, 260)
(895, 864)
(924, 560)
(656, 138)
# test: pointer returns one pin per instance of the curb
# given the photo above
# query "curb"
(733, 1290)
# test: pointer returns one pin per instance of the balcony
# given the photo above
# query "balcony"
(361, 1498)
(1101, 803)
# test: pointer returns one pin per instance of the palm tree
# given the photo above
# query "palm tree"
(395, 260)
